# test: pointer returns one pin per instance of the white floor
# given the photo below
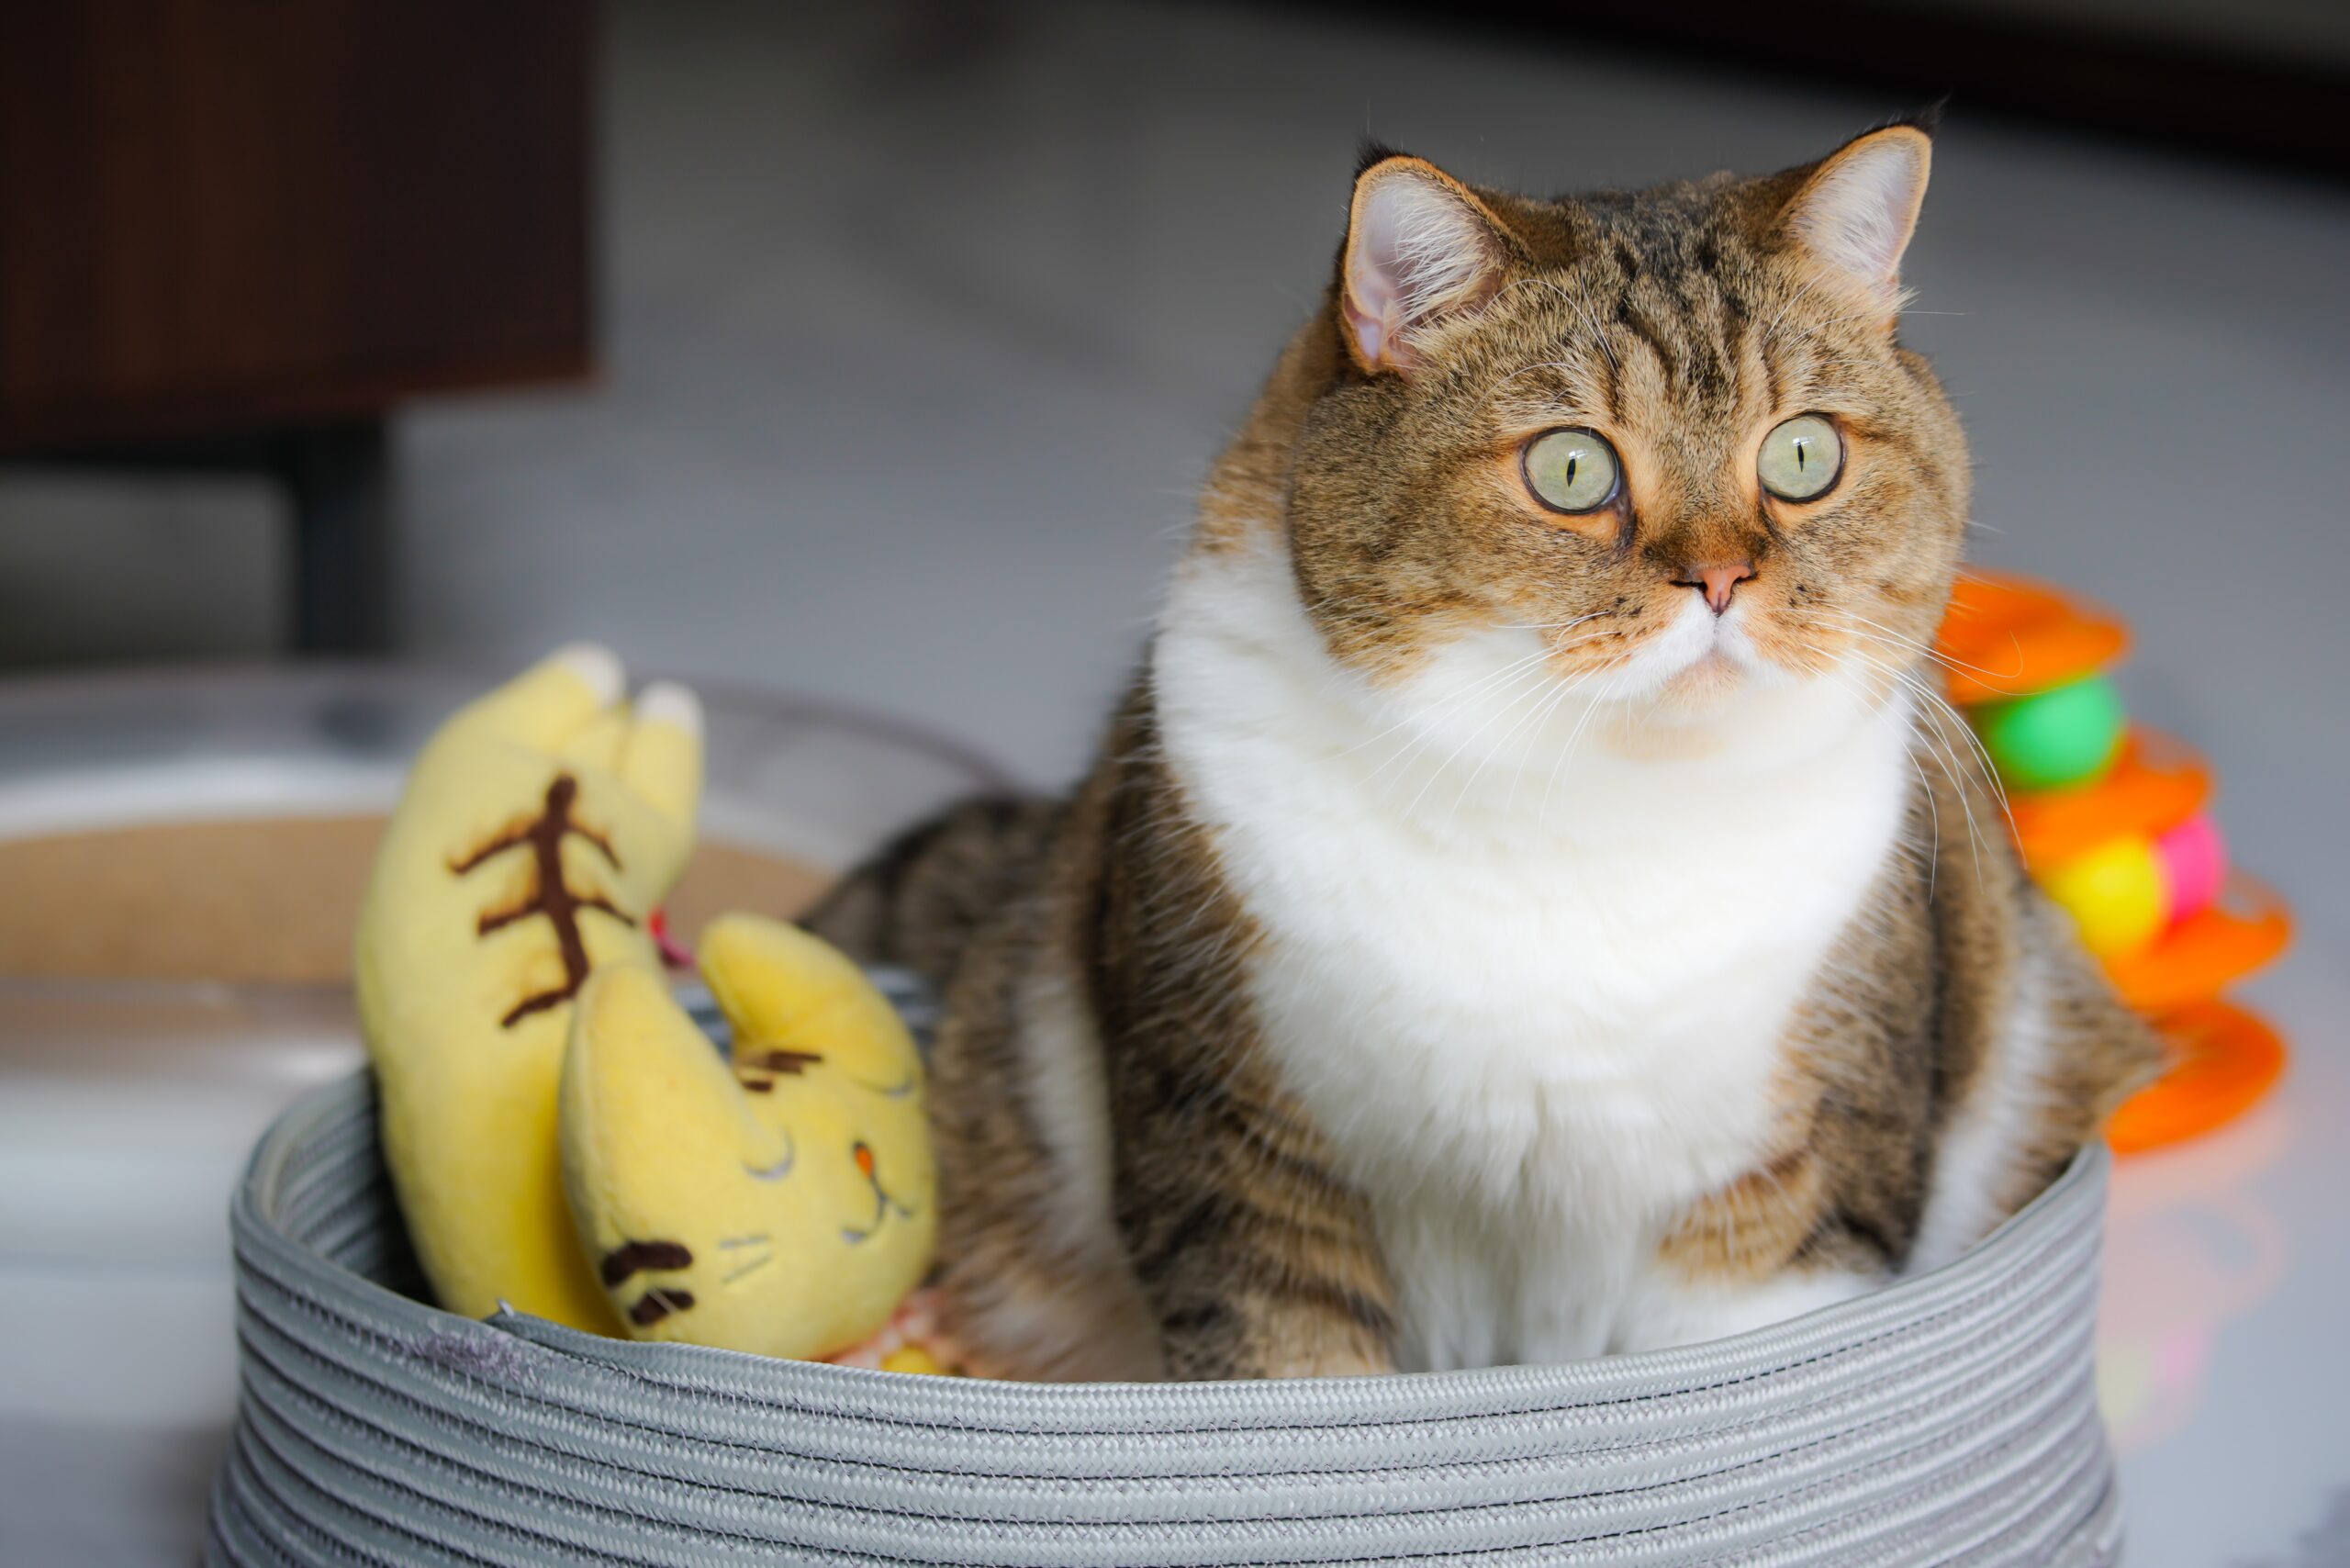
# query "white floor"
(922, 322)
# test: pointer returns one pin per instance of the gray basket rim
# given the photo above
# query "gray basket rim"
(2053, 1220)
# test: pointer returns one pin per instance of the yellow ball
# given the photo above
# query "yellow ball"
(911, 1359)
(2116, 894)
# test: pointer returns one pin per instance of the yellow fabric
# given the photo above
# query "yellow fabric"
(449, 985)
(563, 1136)
(789, 1221)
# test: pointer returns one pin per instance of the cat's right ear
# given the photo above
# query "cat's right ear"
(1856, 210)
(1421, 250)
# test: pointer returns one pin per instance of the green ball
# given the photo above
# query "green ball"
(2057, 738)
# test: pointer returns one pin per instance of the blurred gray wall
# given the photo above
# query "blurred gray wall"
(922, 323)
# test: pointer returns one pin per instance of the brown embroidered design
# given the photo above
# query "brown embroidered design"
(657, 1304)
(658, 1301)
(633, 1255)
(549, 895)
(749, 1068)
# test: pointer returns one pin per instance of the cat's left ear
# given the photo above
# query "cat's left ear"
(1854, 215)
(1421, 250)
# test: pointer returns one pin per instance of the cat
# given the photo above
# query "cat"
(1531, 903)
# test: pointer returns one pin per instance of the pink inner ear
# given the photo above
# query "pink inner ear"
(1370, 331)
(1372, 299)
(1416, 251)
(1857, 215)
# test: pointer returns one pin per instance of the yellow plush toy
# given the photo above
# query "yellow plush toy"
(780, 1202)
(539, 828)
(525, 1041)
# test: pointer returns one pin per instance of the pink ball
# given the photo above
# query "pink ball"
(2194, 859)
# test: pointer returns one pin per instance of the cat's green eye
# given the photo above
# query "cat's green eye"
(1801, 458)
(1571, 470)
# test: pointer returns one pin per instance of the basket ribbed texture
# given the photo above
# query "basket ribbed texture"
(1949, 1419)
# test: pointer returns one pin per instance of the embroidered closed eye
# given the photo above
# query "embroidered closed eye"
(1801, 458)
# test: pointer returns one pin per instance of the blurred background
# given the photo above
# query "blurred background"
(862, 360)
(878, 349)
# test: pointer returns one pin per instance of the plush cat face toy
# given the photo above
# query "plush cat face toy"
(781, 1201)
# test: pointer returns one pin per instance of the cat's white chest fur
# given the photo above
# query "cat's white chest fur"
(1536, 1012)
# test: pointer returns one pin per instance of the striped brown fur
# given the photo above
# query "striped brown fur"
(1130, 1186)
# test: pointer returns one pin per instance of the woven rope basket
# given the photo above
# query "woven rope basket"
(1949, 1419)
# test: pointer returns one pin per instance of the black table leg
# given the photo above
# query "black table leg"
(337, 478)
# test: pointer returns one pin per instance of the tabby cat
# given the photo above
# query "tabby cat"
(1532, 903)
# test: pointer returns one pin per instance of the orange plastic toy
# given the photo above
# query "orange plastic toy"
(2182, 937)
(2006, 637)
(2207, 952)
(2155, 782)
(2224, 1061)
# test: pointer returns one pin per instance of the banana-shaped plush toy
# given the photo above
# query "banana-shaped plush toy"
(525, 1043)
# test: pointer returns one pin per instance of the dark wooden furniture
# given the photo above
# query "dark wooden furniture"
(2267, 85)
(242, 232)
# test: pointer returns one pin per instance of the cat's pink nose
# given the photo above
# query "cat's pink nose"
(1718, 583)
